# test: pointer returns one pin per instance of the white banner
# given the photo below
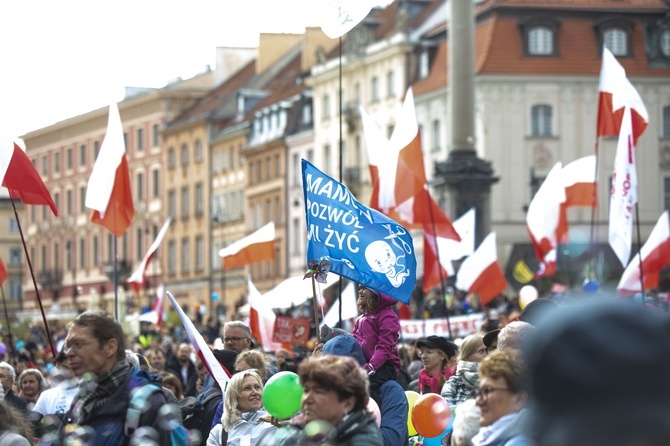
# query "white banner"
(461, 326)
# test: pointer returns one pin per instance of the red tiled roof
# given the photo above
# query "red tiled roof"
(437, 77)
(576, 4)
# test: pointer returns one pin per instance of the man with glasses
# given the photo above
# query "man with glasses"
(95, 350)
(7, 379)
(236, 336)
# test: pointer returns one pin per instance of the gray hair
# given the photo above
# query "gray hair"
(12, 373)
(238, 324)
(513, 334)
(38, 375)
(231, 413)
(466, 423)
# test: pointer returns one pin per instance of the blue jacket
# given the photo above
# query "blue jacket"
(394, 410)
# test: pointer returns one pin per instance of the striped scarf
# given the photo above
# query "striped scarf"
(94, 394)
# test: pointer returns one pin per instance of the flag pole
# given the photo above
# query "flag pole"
(9, 329)
(339, 282)
(594, 205)
(32, 275)
(439, 266)
(316, 312)
(639, 250)
(116, 282)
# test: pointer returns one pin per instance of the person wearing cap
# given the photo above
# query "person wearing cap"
(436, 355)
(600, 375)
(501, 398)
(491, 340)
(462, 385)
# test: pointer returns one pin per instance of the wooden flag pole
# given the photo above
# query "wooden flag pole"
(316, 312)
(32, 275)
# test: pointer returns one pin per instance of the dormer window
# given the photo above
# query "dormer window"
(615, 34)
(424, 64)
(616, 40)
(665, 43)
(540, 37)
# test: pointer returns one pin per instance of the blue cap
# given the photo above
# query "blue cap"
(345, 345)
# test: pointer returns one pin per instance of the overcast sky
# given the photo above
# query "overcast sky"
(59, 59)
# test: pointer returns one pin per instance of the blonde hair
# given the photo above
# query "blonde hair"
(470, 345)
(254, 359)
(230, 411)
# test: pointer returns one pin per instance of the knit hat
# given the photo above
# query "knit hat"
(600, 374)
(226, 358)
(345, 345)
(438, 343)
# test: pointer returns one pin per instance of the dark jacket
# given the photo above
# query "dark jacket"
(18, 403)
(358, 429)
(188, 387)
(394, 409)
(109, 420)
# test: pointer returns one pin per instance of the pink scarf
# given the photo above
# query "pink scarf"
(431, 384)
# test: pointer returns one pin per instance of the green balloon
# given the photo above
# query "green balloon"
(282, 395)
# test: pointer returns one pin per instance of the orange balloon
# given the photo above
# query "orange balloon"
(430, 415)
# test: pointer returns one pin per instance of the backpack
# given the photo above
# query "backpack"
(178, 435)
(198, 413)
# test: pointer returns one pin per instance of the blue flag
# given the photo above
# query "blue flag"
(361, 244)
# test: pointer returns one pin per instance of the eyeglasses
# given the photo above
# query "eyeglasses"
(76, 345)
(233, 339)
(484, 392)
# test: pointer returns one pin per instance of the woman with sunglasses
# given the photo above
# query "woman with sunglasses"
(501, 397)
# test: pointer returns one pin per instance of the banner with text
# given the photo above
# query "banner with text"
(461, 326)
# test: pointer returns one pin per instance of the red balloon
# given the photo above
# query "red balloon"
(430, 415)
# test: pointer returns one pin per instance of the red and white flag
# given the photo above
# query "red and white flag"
(109, 193)
(155, 316)
(21, 178)
(138, 278)
(481, 272)
(3, 272)
(214, 367)
(448, 249)
(258, 246)
(544, 221)
(338, 17)
(615, 93)
(623, 192)
(261, 320)
(655, 256)
(579, 181)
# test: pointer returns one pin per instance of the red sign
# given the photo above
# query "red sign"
(291, 331)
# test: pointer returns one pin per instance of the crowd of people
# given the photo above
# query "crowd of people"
(577, 373)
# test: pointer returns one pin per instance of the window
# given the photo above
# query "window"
(139, 252)
(198, 150)
(616, 40)
(82, 155)
(172, 257)
(68, 201)
(666, 122)
(95, 255)
(541, 121)
(82, 253)
(198, 199)
(435, 136)
(82, 199)
(326, 159)
(15, 256)
(68, 158)
(297, 169)
(13, 225)
(185, 255)
(15, 290)
(307, 113)
(540, 41)
(297, 233)
(172, 203)
(199, 253)
(224, 160)
(155, 135)
(156, 183)
(45, 165)
(140, 139)
(666, 193)
(184, 202)
(69, 252)
(96, 149)
(57, 162)
(140, 186)
(125, 141)
(390, 84)
(172, 158)
(184, 154)
(325, 113)
(424, 64)
(375, 89)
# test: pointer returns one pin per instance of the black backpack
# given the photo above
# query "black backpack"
(198, 413)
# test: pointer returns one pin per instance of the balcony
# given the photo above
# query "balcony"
(124, 270)
(50, 279)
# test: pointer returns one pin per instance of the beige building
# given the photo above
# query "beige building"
(73, 258)
(11, 253)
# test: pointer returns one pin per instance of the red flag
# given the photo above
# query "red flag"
(579, 180)
(615, 93)
(109, 193)
(138, 278)
(257, 247)
(544, 222)
(623, 192)
(220, 374)
(3, 272)
(155, 316)
(481, 272)
(261, 320)
(21, 178)
(655, 256)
